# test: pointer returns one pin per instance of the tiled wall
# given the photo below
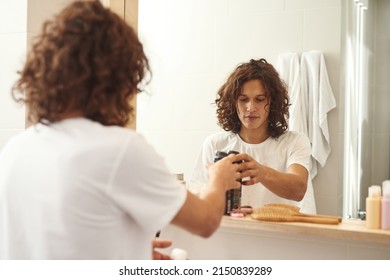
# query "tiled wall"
(194, 44)
(13, 42)
(20, 20)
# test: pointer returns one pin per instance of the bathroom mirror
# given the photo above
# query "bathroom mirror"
(365, 84)
(194, 44)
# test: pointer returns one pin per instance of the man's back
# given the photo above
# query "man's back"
(67, 200)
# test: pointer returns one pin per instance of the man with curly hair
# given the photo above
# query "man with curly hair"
(78, 184)
(252, 109)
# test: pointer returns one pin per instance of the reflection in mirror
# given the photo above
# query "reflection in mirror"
(193, 45)
(367, 96)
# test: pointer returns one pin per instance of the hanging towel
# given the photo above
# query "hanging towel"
(289, 71)
(316, 87)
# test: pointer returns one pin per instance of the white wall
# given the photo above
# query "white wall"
(194, 44)
(13, 43)
(20, 20)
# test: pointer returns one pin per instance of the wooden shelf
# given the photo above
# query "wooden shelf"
(347, 229)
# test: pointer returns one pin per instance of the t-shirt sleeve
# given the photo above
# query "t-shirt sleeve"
(300, 152)
(144, 188)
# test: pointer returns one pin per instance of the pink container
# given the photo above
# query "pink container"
(385, 223)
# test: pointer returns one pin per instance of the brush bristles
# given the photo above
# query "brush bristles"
(278, 213)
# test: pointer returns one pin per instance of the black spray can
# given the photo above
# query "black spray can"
(233, 197)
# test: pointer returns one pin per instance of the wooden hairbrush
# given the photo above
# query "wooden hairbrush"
(296, 210)
(279, 214)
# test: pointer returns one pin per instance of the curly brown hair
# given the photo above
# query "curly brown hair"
(87, 59)
(276, 91)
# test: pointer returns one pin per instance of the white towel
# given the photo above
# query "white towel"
(316, 86)
(289, 71)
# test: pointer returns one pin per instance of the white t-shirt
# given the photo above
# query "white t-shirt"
(79, 190)
(291, 147)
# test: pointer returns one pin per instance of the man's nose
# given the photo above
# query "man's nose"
(251, 106)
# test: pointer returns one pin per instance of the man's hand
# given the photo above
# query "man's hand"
(158, 243)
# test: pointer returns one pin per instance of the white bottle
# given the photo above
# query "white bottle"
(373, 208)
(179, 254)
(386, 205)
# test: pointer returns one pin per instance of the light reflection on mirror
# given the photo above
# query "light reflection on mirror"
(367, 127)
